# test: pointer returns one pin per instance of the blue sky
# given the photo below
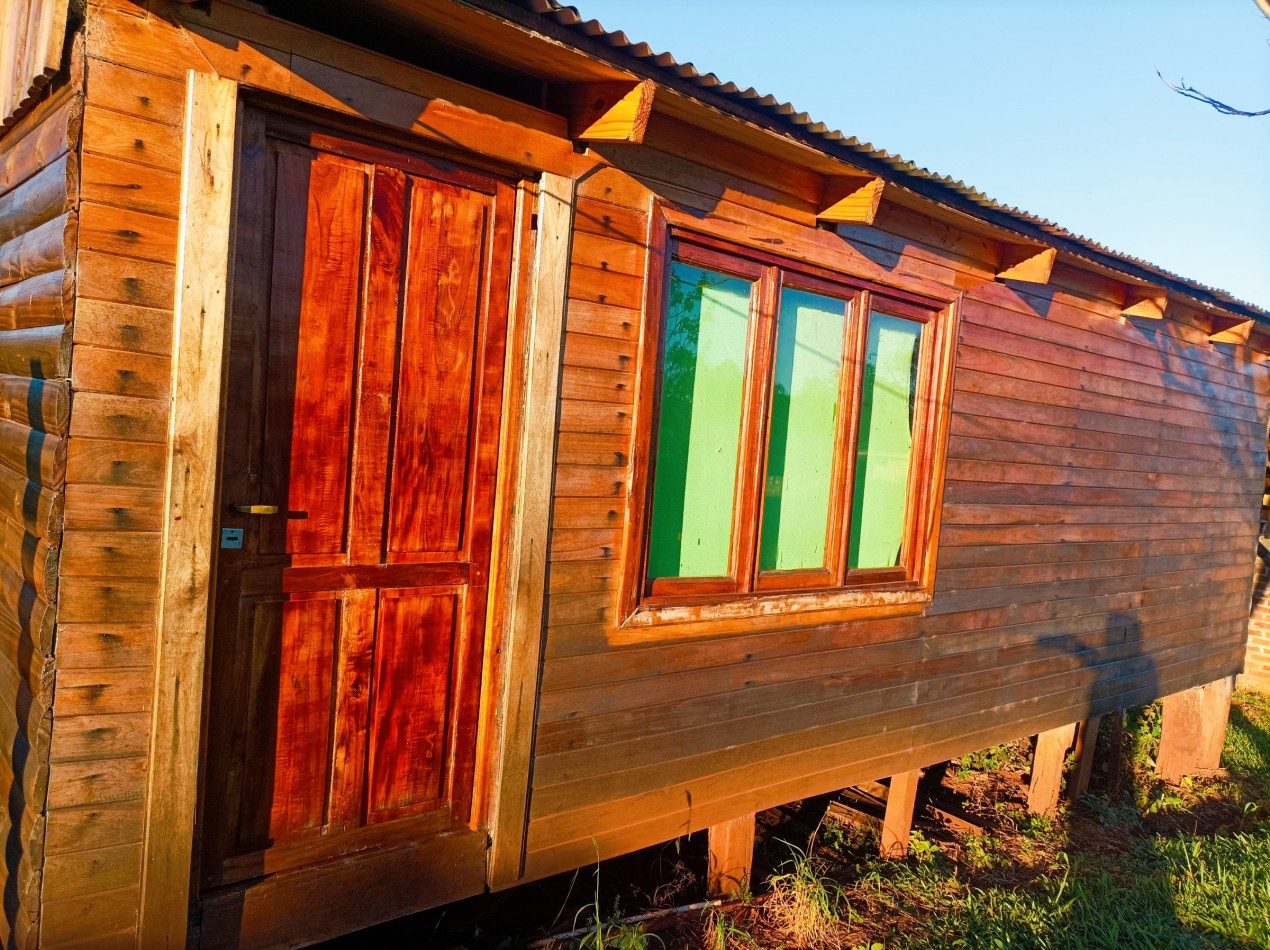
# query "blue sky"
(1050, 106)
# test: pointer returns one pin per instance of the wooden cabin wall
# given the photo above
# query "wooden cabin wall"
(39, 172)
(1100, 510)
(116, 454)
(1075, 573)
(136, 60)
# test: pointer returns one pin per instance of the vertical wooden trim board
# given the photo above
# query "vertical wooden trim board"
(198, 342)
(526, 576)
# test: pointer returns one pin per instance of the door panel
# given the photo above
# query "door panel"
(434, 403)
(314, 300)
(289, 717)
(365, 384)
(413, 666)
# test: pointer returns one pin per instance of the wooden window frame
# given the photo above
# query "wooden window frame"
(811, 596)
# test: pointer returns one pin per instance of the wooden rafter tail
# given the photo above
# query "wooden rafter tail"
(1144, 303)
(608, 111)
(1231, 330)
(850, 199)
(1027, 263)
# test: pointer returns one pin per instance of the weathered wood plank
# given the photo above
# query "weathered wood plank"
(187, 517)
(730, 847)
(45, 195)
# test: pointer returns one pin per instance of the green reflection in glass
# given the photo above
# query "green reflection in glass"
(886, 442)
(802, 434)
(699, 423)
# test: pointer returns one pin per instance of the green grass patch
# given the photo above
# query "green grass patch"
(1155, 867)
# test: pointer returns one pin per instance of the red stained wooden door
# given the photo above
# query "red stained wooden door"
(365, 380)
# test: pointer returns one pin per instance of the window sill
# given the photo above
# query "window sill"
(754, 613)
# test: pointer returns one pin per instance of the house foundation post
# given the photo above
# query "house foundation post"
(731, 855)
(1194, 730)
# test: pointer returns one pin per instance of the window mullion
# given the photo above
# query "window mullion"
(754, 430)
(853, 375)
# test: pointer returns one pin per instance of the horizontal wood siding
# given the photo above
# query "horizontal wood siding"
(1098, 514)
(39, 174)
(115, 457)
(1099, 510)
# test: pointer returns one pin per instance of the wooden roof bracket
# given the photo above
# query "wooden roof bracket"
(1027, 263)
(850, 199)
(1143, 303)
(606, 111)
(1231, 330)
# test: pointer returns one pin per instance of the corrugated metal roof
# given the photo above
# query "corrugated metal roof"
(893, 167)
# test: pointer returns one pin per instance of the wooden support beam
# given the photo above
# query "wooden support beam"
(522, 563)
(1144, 303)
(198, 344)
(731, 856)
(898, 823)
(1027, 263)
(1194, 730)
(850, 200)
(606, 111)
(1231, 330)
(1047, 769)
(1086, 739)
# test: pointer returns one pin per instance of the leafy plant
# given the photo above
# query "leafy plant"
(1110, 814)
(921, 848)
(612, 933)
(1008, 755)
(983, 852)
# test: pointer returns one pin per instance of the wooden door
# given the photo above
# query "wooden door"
(368, 327)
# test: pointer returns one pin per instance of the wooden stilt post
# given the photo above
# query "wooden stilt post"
(898, 823)
(1047, 769)
(1194, 730)
(731, 855)
(1086, 740)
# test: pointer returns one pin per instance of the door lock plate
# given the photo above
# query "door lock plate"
(231, 537)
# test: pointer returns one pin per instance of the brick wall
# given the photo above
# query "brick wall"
(1257, 666)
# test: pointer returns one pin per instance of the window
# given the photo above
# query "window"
(791, 435)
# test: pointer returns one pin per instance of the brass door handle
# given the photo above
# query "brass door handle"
(254, 509)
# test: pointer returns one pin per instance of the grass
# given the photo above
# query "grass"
(1145, 866)
(806, 905)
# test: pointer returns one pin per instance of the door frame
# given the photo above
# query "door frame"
(523, 490)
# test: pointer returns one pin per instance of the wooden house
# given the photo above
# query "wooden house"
(440, 443)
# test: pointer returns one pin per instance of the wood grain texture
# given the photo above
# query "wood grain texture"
(1047, 769)
(1078, 452)
(206, 200)
(366, 362)
(897, 823)
(528, 540)
(1193, 730)
(730, 857)
(38, 239)
(1091, 554)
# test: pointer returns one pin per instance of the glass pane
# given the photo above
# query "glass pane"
(886, 442)
(699, 423)
(801, 438)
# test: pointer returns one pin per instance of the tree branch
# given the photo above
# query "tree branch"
(1191, 92)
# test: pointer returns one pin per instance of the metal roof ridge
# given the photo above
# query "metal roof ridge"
(572, 19)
